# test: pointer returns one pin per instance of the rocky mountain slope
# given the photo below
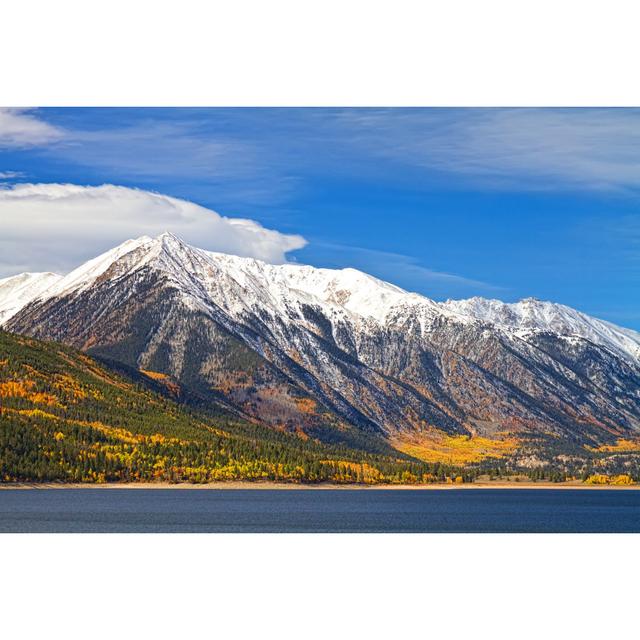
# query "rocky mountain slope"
(342, 356)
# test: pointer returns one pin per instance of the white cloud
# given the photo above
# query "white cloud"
(22, 128)
(57, 226)
(11, 175)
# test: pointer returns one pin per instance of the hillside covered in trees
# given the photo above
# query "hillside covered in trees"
(66, 417)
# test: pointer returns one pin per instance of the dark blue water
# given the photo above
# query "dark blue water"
(201, 510)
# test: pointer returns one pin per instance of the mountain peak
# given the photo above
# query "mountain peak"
(169, 237)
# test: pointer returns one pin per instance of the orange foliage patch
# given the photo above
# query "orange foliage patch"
(24, 389)
(162, 378)
(306, 405)
(301, 434)
(15, 389)
(154, 375)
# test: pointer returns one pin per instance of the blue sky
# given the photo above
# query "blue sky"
(504, 203)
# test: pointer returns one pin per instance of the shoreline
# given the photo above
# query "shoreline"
(283, 486)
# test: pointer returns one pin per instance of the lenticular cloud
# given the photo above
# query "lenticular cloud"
(57, 226)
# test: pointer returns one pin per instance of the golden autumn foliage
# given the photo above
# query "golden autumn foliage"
(621, 446)
(38, 388)
(436, 446)
(347, 471)
(33, 413)
(622, 479)
(601, 478)
(26, 389)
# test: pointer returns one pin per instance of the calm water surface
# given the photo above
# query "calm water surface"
(357, 511)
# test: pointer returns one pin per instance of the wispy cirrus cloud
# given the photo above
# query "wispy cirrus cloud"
(180, 147)
(11, 175)
(272, 152)
(20, 128)
(160, 149)
(521, 148)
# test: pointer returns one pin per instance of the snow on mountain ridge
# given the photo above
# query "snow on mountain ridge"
(17, 291)
(86, 274)
(243, 284)
(531, 315)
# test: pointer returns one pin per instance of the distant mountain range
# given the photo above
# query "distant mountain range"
(342, 357)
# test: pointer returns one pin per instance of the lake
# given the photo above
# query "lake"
(315, 511)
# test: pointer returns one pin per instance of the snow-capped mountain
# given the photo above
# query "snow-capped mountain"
(17, 291)
(338, 353)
